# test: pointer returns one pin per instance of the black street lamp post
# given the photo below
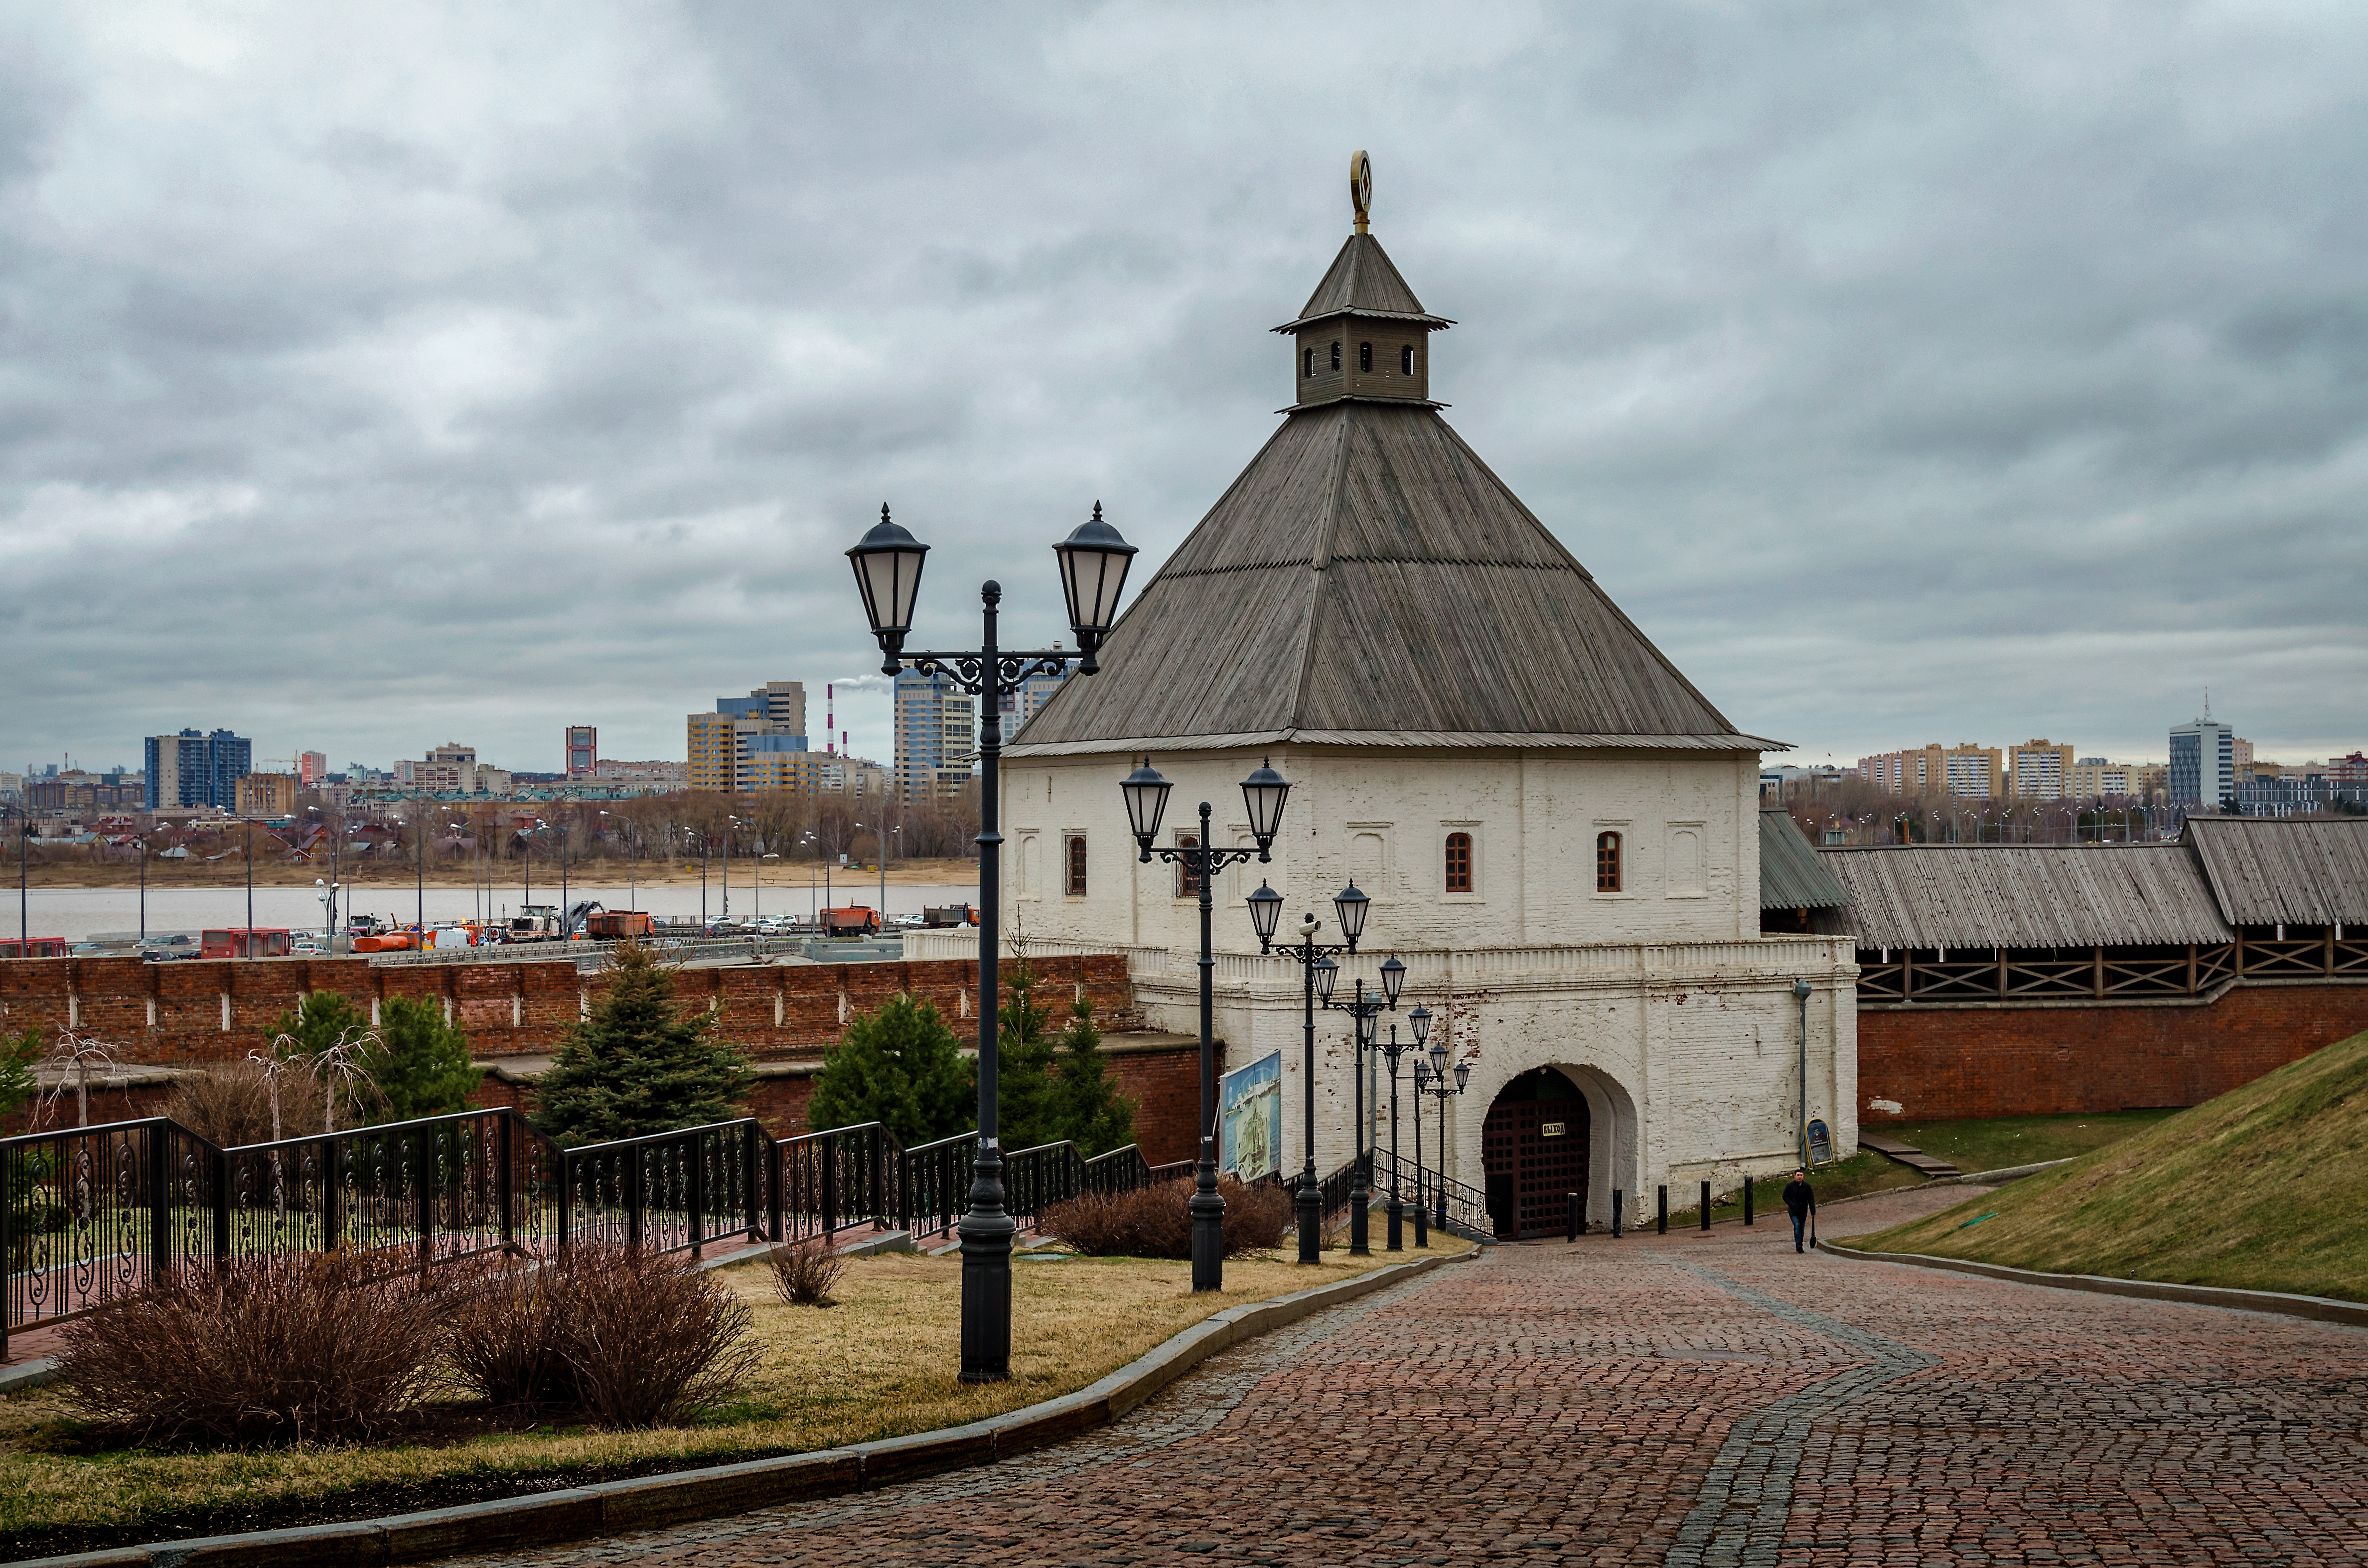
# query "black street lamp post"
(887, 563)
(1366, 1011)
(1264, 792)
(1318, 973)
(1437, 1085)
(1420, 1020)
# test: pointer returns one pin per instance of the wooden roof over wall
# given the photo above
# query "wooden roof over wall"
(1792, 875)
(1367, 581)
(2269, 871)
(2027, 895)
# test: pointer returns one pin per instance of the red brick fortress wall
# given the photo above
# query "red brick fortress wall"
(193, 1013)
(1948, 1062)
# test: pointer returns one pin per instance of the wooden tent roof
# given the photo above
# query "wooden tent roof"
(1368, 581)
(2027, 895)
(2269, 871)
(1363, 281)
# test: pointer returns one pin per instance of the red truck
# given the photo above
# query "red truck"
(240, 941)
(608, 925)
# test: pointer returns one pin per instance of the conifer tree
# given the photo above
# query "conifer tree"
(900, 1065)
(637, 1065)
(1087, 1107)
(423, 1067)
(1024, 1064)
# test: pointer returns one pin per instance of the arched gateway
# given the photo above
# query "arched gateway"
(1534, 1146)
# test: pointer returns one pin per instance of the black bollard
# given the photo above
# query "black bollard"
(1616, 1197)
(1746, 1201)
(1705, 1206)
(1573, 1217)
(1664, 1193)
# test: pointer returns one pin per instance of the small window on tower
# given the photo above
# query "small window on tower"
(1406, 361)
(1459, 862)
(1336, 356)
(1307, 362)
(1364, 356)
(1077, 866)
(1607, 862)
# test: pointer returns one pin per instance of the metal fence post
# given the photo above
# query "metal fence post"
(332, 1196)
(777, 1173)
(7, 1297)
(1746, 1201)
(904, 1189)
(1617, 1196)
(632, 1155)
(222, 1208)
(1662, 1195)
(160, 1202)
(424, 1197)
(752, 1197)
(1573, 1226)
(506, 1176)
(829, 1184)
(1705, 1206)
(567, 1200)
(698, 1193)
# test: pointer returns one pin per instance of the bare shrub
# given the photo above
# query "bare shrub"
(504, 1338)
(652, 1337)
(632, 1340)
(1157, 1221)
(230, 1106)
(805, 1272)
(321, 1347)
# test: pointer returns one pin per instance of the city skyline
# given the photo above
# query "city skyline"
(356, 420)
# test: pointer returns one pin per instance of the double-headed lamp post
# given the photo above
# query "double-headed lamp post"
(1263, 792)
(1420, 1019)
(887, 563)
(1436, 1083)
(1318, 973)
(1366, 1012)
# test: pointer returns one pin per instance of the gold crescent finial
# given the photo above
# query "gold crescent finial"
(1360, 187)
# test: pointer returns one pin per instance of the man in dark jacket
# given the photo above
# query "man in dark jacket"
(1801, 1199)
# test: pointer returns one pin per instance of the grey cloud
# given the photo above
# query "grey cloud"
(1904, 374)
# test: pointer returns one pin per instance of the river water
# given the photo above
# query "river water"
(79, 913)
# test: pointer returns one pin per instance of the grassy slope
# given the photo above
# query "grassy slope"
(2259, 1189)
(1994, 1143)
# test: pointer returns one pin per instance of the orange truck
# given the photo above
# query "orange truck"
(855, 920)
(608, 925)
(238, 941)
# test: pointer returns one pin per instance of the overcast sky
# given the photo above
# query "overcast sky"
(376, 376)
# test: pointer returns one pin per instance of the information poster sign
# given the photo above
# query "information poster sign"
(1249, 1119)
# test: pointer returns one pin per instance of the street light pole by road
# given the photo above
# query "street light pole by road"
(887, 563)
(1264, 792)
(1438, 1086)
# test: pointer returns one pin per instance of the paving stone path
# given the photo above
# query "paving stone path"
(1698, 1400)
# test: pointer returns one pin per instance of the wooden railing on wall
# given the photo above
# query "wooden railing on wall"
(1958, 977)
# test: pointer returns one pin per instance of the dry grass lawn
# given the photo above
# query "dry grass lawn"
(2259, 1189)
(879, 1364)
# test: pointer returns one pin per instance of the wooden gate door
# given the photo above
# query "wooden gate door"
(1535, 1155)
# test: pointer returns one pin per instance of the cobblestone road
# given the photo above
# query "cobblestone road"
(1693, 1401)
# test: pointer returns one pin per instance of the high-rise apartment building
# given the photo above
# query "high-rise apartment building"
(1916, 772)
(582, 750)
(2094, 778)
(2041, 770)
(312, 767)
(267, 795)
(1974, 773)
(937, 737)
(194, 769)
(2203, 763)
(752, 742)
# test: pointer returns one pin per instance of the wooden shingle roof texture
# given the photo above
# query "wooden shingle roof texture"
(1367, 580)
(1792, 874)
(2269, 871)
(1365, 281)
(2016, 895)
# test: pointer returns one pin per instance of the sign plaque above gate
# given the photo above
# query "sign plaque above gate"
(1550, 1128)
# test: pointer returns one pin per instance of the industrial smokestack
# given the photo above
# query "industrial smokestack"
(830, 716)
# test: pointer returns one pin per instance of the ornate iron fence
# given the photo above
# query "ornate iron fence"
(1467, 1207)
(669, 1192)
(934, 1184)
(829, 1181)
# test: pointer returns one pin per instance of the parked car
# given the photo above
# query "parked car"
(306, 945)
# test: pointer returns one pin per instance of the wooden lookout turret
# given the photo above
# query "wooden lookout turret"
(1363, 334)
